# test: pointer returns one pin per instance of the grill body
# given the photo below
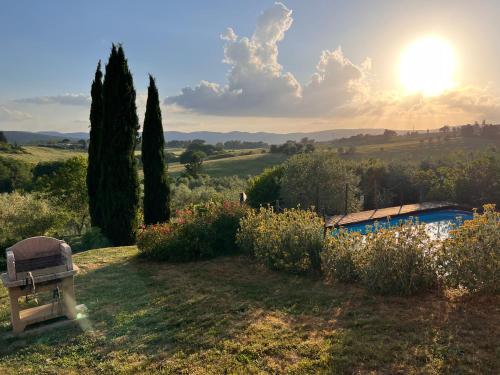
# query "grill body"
(39, 264)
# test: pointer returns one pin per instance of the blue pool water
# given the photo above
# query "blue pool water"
(438, 222)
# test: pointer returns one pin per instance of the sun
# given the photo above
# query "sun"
(428, 66)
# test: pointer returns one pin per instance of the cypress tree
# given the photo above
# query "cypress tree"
(119, 183)
(156, 189)
(93, 168)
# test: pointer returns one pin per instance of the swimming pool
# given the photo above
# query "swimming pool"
(438, 222)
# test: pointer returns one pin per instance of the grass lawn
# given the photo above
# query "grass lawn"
(232, 316)
(241, 166)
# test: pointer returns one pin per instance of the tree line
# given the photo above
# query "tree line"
(293, 147)
(334, 185)
(228, 145)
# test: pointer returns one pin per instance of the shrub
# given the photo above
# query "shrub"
(470, 257)
(290, 241)
(201, 232)
(397, 260)
(190, 191)
(14, 174)
(337, 257)
(23, 216)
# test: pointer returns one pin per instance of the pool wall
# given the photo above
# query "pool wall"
(381, 214)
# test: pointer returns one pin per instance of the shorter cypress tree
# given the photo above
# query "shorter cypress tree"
(156, 188)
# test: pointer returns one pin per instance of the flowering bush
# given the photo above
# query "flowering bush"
(470, 257)
(388, 261)
(200, 232)
(397, 260)
(290, 241)
(337, 257)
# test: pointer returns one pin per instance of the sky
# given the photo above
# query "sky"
(256, 65)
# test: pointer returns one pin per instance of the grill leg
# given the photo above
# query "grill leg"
(68, 290)
(17, 325)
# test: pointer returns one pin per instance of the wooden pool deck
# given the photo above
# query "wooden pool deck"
(382, 213)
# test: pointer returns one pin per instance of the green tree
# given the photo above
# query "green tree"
(27, 215)
(118, 193)
(265, 188)
(94, 160)
(319, 180)
(390, 133)
(156, 187)
(192, 161)
(374, 176)
(65, 187)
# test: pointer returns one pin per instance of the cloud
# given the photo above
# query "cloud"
(472, 100)
(468, 103)
(258, 86)
(66, 99)
(9, 114)
(256, 83)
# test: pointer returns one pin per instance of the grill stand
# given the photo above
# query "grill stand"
(66, 306)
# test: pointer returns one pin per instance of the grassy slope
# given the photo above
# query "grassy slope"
(228, 315)
(411, 149)
(242, 166)
(35, 154)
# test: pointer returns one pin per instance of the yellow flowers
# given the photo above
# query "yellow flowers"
(470, 257)
(290, 241)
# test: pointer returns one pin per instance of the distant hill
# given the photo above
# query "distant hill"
(24, 138)
(209, 137)
(77, 135)
(271, 138)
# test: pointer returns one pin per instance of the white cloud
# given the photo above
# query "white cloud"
(66, 99)
(256, 81)
(9, 114)
(258, 86)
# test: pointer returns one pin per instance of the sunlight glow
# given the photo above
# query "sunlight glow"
(428, 66)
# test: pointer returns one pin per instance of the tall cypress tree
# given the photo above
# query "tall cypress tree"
(118, 194)
(156, 189)
(94, 162)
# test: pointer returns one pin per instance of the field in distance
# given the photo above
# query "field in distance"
(36, 154)
(411, 148)
(241, 166)
(239, 163)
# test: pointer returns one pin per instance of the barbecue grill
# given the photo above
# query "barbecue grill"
(35, 265)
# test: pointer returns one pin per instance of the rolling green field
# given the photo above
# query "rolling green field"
(413, 149)
(230, 315)
(241, 166)
(36, 154)
(398, 148)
